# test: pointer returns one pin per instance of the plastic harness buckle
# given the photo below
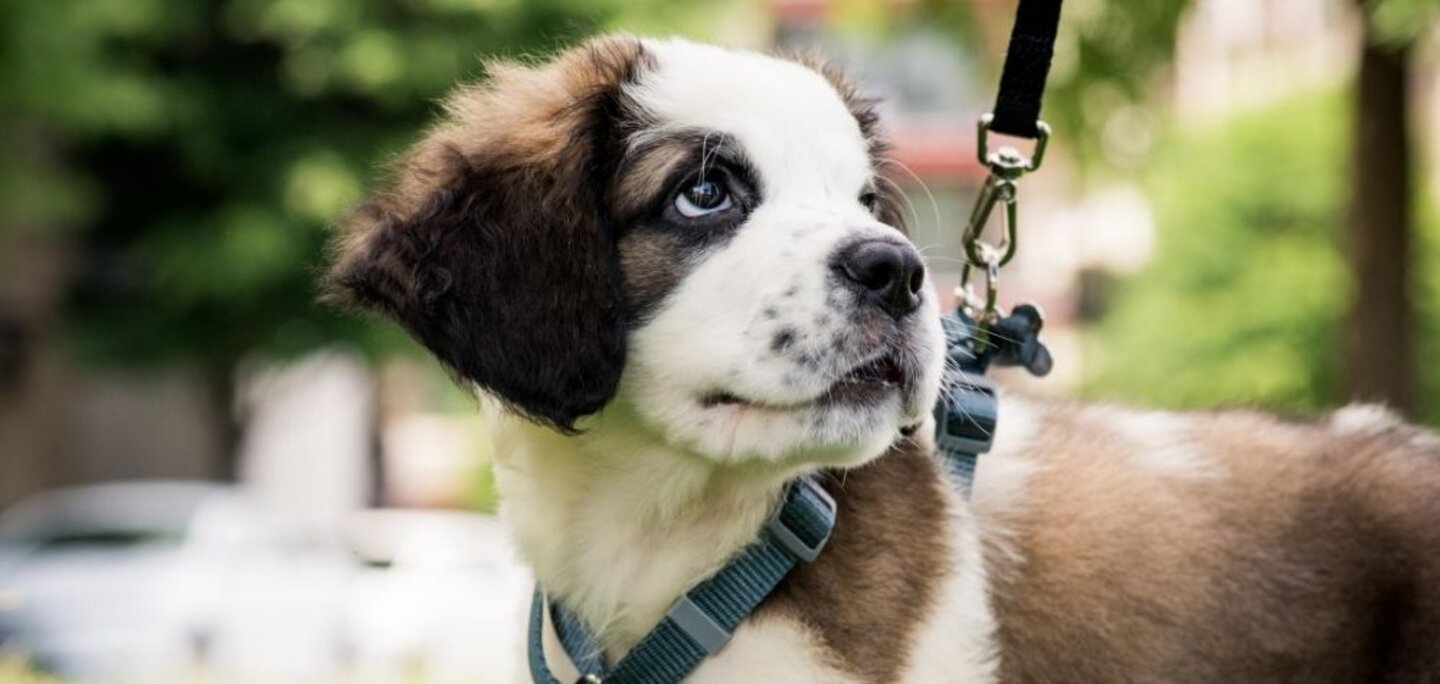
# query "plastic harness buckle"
(790, 539)
(697, 624)
(966, 415)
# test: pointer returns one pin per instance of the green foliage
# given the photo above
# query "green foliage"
(1403, 21)
(1107, 56)
(1245, 298)
(197, 150)
(13, 670)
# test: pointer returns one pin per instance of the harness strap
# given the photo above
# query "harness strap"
(965, 419)
(966, 414)
(700, 622)
(1027, 64)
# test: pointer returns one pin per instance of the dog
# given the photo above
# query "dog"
(677, 278)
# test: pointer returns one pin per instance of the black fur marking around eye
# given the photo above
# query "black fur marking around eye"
(658, 246)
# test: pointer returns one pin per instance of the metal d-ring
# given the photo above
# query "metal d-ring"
(1024, 166)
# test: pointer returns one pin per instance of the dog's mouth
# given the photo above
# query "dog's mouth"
(865, 383)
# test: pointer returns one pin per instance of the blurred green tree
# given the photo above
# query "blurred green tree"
(194, 152)
(1245, 293)
(1244, 299)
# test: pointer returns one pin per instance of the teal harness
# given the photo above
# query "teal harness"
(699, 623)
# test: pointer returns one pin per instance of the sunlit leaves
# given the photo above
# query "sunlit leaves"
(1404, 21)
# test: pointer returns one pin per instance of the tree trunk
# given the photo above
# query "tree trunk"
(1381, 346)
(229, 425)
(33, 275)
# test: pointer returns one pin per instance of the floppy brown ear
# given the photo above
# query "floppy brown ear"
(493, 248)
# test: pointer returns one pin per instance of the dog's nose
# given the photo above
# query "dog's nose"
(887, 273)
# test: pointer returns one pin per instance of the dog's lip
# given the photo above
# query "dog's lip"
(880, 375)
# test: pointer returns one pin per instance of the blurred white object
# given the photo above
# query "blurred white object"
(431, 458)
(150, 580)
(442, 598)
(306, 449)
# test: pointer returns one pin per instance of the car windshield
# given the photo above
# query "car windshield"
(108, 516)
(104, 538)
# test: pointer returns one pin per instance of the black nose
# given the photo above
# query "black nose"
(888, 274)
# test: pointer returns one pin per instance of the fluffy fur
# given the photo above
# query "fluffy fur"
(642, 253)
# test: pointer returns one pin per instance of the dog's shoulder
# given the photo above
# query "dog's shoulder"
(901, 576)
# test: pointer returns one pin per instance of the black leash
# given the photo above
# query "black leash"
(1027, 64)
(979, 333)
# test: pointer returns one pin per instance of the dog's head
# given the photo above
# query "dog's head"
(694, 238)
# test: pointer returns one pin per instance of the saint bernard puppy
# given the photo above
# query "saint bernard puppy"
(676, 274)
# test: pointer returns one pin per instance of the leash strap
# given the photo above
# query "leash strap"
(700, 622)
(1027, 65)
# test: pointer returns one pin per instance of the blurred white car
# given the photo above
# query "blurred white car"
(149, 580)
(442, 598)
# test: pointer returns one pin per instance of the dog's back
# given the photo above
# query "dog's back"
(1127, 546)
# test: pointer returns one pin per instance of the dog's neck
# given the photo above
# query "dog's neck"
(618, 524)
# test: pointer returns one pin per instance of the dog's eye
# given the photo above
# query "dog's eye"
(703, 197)
(870, 200)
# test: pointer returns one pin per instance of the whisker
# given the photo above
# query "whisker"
(909, 203)
(935, 206)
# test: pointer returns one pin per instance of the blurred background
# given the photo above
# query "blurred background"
(204, 476)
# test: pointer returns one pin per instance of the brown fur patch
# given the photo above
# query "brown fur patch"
(865, 595)
(652, 265)
(1314, 558)
(648, 171)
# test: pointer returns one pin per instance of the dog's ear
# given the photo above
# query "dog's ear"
(492, 246)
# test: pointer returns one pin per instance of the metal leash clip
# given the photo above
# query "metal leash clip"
(1007, 166)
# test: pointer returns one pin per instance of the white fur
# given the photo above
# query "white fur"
(1001, 475)
(955, 643)
(1162, 443)
(618, 524)
(1364, 419)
